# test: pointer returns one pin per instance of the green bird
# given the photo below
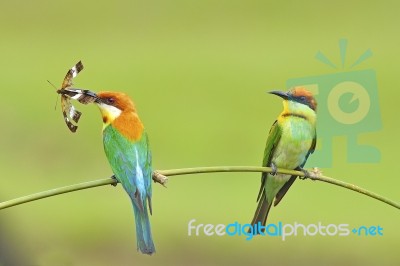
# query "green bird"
(127, 149)
(126, 145)
(292, 138)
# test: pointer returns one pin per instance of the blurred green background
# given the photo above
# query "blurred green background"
(198, 72)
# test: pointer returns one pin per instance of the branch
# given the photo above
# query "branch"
(161, 177)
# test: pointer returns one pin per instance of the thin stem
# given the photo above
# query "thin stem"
(56, 191)
(315, 174)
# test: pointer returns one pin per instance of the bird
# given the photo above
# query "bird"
(127, 149)
(292, 138)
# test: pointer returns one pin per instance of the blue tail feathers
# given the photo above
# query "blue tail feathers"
(143, 232)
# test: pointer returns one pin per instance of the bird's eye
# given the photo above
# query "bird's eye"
(110, 100)
(303, 98)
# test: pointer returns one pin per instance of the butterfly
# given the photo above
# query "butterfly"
(69, 111)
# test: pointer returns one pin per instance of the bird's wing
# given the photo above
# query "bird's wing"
(146, 159)
(130, 163)
(312, 148)
(272, 140)
(287, 185)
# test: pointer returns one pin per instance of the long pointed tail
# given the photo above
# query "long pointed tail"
(143, 232)
(261, 214)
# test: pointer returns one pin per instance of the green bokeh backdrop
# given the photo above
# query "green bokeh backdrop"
(198, 72)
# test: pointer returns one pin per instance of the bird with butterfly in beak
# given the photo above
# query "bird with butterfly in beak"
(126, 145)
(127, 149)
(291, 139)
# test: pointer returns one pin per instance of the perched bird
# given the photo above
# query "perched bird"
(127, 149)
(291, 139)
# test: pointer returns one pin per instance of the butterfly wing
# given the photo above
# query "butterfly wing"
(68, 110)
(72, 73)
(69, 113)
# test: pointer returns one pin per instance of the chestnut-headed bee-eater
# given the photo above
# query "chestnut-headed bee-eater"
(127, 149)
(291, 139)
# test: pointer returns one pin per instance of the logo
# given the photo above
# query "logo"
(348, 106)
(281, 230)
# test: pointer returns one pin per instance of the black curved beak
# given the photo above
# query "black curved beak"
(281, 94)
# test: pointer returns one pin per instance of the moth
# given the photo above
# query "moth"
(70, 113)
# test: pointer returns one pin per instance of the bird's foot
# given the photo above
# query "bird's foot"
(116, 181)
(159, 178)
(305, 172)
(274, 169)
(313, 174)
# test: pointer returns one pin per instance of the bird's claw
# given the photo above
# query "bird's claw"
(116, 181)
(314, 174)
(274, 169)
(305, 172)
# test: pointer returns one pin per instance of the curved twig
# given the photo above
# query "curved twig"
(161, 177)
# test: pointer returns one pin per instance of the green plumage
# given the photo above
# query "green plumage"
(292, 138)
(131, 164)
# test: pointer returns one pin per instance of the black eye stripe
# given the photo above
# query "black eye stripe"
(299, 98)
(110, 100)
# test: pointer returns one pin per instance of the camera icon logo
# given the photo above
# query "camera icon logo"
(348, 106)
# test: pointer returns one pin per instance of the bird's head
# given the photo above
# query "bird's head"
(113, 104)
(116, 108)
(299, 102)
(298, 95)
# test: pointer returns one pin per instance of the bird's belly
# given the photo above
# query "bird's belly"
(294, 145)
